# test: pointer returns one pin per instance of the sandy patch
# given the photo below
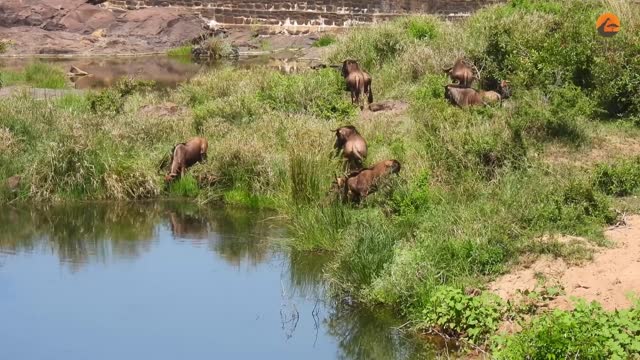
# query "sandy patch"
(608, 279)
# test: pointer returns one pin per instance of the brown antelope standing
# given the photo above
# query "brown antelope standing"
(352, 145)
(358, 82)
(185, 155)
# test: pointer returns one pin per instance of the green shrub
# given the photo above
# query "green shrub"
(455, 314)
(422, 28)
(108, 102)
(588, 332)
(556, 48)
(241, 108)
(73, 103)
(430, 88)
(324, 40)
(4, 46)
(226, 94)
(562, 113)
(371, 47)
(218, 47)
(619, 179)
(111, 101)
(616, 73)
(576, 207)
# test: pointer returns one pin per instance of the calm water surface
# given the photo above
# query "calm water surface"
(165, 71)
(172, 281)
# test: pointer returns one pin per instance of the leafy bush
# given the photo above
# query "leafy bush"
(576, 207)
(107, 101)
(371, 47)
(324, 40)
(458, 315)
(4, 46)
(218, 48)
(225, 94)
(556, 47)
(111, 101)
(422, 28)
(588, 332)
(561, 113)
(619, 179)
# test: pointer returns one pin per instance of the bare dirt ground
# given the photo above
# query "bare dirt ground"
(609, 278)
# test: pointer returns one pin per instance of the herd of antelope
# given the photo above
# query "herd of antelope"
(358, 182)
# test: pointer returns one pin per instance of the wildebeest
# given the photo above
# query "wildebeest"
(504, 89)
(490, 97)
(357, 185)
(352, 145)
(462, 96)
(358, 82)
(185, 155)
(461, 72)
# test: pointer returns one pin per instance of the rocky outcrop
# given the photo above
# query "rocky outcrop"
(75, 26)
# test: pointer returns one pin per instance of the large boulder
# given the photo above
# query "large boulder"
(86, 19)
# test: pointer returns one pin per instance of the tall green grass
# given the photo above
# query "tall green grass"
(36, 74)
(477, 187)
(180, 52)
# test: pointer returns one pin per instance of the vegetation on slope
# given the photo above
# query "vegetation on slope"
(475, 192)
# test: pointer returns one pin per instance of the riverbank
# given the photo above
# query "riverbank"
(480, 190)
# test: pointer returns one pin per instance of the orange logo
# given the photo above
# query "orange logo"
(608, 24)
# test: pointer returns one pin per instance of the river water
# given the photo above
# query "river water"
(172, 280)
(167, 72)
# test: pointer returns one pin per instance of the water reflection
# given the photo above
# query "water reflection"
(79, 233)
(165, 71)
(361, 336)
(250, 299)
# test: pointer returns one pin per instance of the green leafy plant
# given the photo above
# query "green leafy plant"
(455, 314)
(588, 332)
(422, 28)
(619, 179)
